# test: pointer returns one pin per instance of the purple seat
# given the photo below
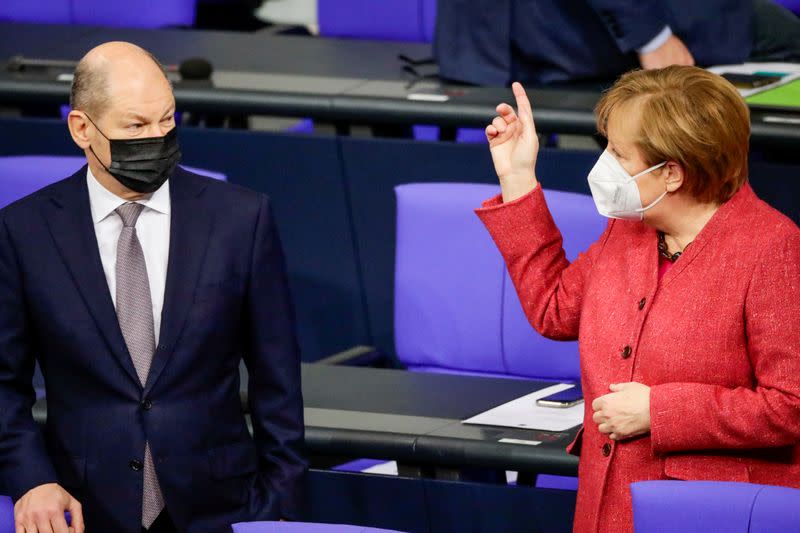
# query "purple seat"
(456, 309)
(149, 13)
(791, 5)
(300, 527)
(6, 515)
(41, 11)
(395, 20)
(25, 174)
(703, 506)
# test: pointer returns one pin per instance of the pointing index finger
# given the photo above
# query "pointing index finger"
(523, 104)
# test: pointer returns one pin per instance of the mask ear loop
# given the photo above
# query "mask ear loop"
(657, 200)
(642, 173)
(91, 149)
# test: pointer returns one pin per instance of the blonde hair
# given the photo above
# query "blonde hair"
(690, 116)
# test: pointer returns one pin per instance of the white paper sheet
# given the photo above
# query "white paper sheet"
(524, 413)
(791, 72)
(385, 469)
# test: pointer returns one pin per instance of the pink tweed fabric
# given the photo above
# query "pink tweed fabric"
(718, 340)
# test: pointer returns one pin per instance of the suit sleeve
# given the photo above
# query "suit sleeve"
(631, 23)
(24, 463)
(697, 416)
(273, 363)
(550, 288)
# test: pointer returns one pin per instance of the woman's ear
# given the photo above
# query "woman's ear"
(674, 175)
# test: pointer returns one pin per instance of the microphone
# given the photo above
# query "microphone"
(195, 69)
(21, 63)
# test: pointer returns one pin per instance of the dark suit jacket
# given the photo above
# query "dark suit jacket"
(495, 42)
(226, 298)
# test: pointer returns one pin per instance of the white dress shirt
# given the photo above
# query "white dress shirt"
(656, 42)
(152, 228)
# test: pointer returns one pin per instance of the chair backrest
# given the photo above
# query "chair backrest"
(791, 5)
(302, 527)
(703, 506)
(25, 174)
(42, 11)
(148, 13)
(397, 20)
(6, 515)
(456, 309)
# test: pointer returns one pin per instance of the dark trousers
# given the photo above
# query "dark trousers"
(776, 33)
(163, 524)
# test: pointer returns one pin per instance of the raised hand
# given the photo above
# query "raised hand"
(514, 145)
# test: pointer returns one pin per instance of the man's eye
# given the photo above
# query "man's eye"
(135, 126)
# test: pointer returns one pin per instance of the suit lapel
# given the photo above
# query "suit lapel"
(190, 227)
(69, 220)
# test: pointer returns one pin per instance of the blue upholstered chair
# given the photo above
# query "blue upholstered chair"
(396, 20)
(7, 524)
(149, 13)
(6, 515)
(705, 506)
(791, 5)
(300, 527)
(456, 309)
(42, 11)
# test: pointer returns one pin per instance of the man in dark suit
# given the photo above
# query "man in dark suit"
(495, 42)
(139, 287)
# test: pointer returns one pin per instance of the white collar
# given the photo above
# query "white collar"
(103, 202)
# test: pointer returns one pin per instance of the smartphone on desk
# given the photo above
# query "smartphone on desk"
(566, 398)
(750, 81)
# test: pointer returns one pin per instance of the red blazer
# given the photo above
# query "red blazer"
(718, 340)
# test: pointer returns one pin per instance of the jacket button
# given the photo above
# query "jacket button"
(606, 449)
(136, 465)
(626, 352)
(147, 404)
(642, 303)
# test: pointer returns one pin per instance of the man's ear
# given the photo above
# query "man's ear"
(78, 128)
(674, 176)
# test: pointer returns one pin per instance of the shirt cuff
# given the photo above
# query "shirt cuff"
(656, 42)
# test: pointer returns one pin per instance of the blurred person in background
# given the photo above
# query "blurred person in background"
(492, 42)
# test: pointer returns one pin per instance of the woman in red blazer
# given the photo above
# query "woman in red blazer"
(687, 309)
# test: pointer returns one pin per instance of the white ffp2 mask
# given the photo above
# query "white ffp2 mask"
(615, 192)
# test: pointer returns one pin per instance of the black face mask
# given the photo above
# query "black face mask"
(142, 165)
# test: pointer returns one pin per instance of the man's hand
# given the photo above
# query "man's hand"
(41, 510)
(672, 52)
(514, 146)
(624, 413)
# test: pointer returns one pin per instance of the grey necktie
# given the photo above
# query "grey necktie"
(135, 315)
